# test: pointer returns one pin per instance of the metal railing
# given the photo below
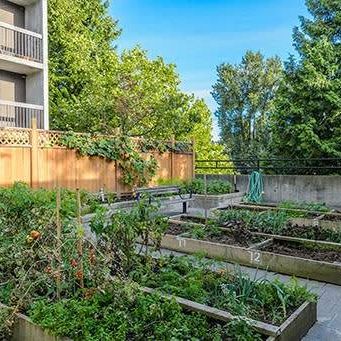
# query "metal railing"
(19, 115)
(21, 43)
(273, 165)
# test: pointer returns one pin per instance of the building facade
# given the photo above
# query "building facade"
(23, 63)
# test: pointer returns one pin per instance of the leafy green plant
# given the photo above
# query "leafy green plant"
(136, 170)
(265, 221)
(269, 301)
(123, 312)
(277, 222)
(309, 206)
(197, 186)
(120, 232)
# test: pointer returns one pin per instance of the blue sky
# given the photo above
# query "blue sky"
(198, 35)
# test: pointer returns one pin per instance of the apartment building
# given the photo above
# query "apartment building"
(23, 63)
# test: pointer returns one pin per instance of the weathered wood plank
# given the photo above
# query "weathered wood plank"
(221, 315)
(301, 267)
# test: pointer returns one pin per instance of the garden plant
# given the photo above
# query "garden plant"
(91, 289)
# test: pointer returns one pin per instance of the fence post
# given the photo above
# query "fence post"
(172, 158)
(34, 154)
(193, 158)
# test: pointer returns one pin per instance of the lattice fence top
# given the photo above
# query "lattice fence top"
(49, 138)
(15, 137)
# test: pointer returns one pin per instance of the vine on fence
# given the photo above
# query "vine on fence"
(136, 170)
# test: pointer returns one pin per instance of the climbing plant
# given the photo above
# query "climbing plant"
(136, 170)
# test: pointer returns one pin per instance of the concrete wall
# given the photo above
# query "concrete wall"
(317, 188)
(12, 14)
(35, 88)
(12, 86)
(34, 17)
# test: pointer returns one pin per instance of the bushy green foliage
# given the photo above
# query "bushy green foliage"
(237, 293)
(309, 206)
(121, 230)
(197, 186)
(244, 94)
(93, 88)
(306, 122)
(214, 187)
(28, 261)
(266, 221)
(123, 312)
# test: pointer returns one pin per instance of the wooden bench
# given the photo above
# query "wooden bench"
(154, 193)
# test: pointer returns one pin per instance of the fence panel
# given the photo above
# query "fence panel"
(42, 163)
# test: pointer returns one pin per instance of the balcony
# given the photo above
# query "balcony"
(19, 115)
(21, 51)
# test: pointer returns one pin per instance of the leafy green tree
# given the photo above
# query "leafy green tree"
(244, 94)
(146, 98)
(81, 55)
(307, 121)
(205, 147)
(95, 89)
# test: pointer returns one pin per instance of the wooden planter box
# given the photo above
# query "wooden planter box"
(26, 330)
(294, 328)
(214, 201)
(254, 256)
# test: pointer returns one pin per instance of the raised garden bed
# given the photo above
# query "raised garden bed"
(241, 238)
(25, 330)
(269, 225)
(301, 217)
(218, 300)
(213, 201)
(265, 256)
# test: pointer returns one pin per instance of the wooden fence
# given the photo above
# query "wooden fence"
(38, 158)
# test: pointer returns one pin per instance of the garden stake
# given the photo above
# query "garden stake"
(205, 205)
(80, 241)
(59, 243)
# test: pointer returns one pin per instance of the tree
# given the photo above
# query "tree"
(95, 89)
(205, 147)
(146, 98)
(244, 94)
(307, 120)
(81, 55)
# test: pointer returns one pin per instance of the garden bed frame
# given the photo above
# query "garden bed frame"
(213, 201)
(292, 329)
(254, 256)
(319, 220)
(26, 330)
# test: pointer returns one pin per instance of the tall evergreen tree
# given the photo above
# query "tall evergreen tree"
(244, 94)
(307, 120)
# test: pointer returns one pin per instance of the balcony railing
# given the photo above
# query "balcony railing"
(18, 42)
(19, 115)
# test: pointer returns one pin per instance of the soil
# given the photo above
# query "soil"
(299, 250)
(192, 219)
(292, 230)
(331, 217)
(312, 232)
(237, 237)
